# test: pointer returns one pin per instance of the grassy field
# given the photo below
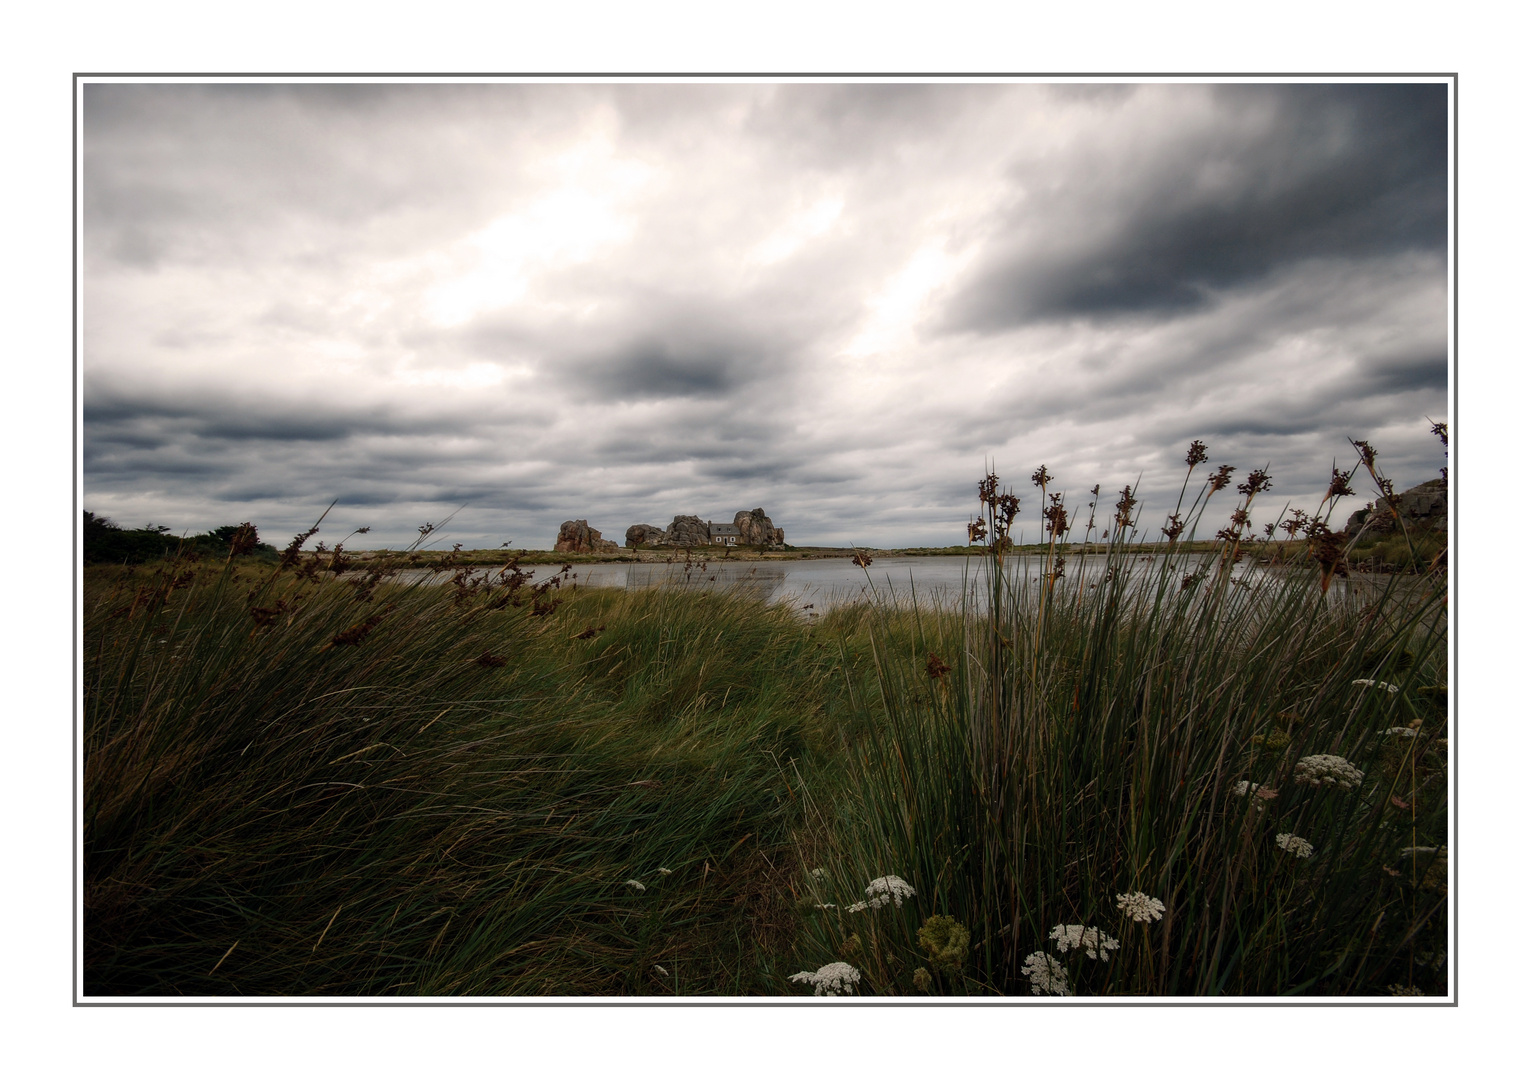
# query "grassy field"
(1170, 779)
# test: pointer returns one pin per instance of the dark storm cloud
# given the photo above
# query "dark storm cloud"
(626, 302)
(1296, 172)
(671, 366)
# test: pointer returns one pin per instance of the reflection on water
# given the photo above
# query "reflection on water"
(816, 585)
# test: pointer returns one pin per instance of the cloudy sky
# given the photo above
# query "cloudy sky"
(838, 302)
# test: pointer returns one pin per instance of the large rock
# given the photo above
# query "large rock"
(644, 534)
(1422, 508)
(687, 531)
(755, 528)
(578, 538)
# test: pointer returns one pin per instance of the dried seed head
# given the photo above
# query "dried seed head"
(1196, 454)
(1040, 478)
(1339, 486)
(1056, 516)
(1258, 481)
(1124, 507)
(1222, 478)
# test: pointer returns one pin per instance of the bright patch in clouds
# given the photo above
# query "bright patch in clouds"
(837, 302)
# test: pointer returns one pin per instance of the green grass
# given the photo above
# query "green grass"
(297, 783)
(1086, 744)
(396, 817)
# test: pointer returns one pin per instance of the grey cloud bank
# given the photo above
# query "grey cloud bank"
(838, 302)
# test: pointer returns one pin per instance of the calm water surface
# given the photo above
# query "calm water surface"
(820, 584)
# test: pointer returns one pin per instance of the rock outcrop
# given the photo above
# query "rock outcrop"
(1422, 508)
(687, 530)
(644, 534)
(578, 538)
(755, 528)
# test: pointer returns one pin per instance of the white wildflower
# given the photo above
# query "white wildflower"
(664, 869)
(1295, 844)
(829, 907)
(1417, 852)
(1404, 732)
(635, 884)
(1140, 907)
(860, 905)
(887, 890)
(1256, 793)
(1046, 974)
(1321, 769)
(830, 980)
(817, 873)
(1389, 687)
(660, 968)
(1094, 941)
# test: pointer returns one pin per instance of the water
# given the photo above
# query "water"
(817, 585)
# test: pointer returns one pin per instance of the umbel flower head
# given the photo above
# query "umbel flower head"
(1094, 941)
(1140, 907)
(884, 891)
(1330, 769)
(831, 980)
(1295, 844)
(1244, 789)
(1389, 687)
(1046, 974)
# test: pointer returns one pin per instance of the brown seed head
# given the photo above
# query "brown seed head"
(1258, 481)
(1196, 454)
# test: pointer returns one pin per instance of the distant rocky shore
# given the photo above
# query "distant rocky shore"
(750, 528)
(1422, 509)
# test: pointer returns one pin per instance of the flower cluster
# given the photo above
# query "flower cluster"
(1046, 974)
(1401, 732)
(883, 891)
(635, 884)
(1094, 941)
(1244, 789)
(1140, 907)
(831, 980)
(1295, 844)
(1389, 687)
(1321, 769)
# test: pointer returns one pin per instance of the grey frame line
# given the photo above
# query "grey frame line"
(767, 1002)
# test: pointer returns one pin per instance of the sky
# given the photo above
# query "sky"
(527, 303)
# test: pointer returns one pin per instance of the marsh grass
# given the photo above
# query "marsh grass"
(307, 777)
(1083, 739)
(298, 784)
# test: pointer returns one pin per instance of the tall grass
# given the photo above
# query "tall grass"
(298, 784)
(1141, 727)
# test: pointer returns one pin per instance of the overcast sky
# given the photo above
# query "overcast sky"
(836, 302)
